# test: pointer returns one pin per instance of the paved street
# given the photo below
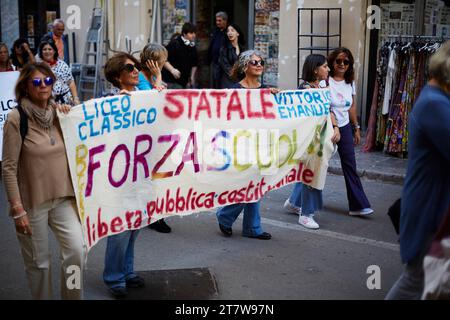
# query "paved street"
(330, 263)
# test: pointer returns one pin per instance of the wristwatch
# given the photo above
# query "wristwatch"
(356, 126)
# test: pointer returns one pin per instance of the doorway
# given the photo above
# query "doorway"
(204, 15)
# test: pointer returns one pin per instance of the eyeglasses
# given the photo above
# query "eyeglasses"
(342, 61)
(130, 67)
(37, 82)
(257, 63)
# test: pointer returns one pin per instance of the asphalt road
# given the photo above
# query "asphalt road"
(330, 263)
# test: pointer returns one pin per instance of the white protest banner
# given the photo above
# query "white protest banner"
(7, 98)
(136, 159)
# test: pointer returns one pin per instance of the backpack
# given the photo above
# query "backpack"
(23, 122)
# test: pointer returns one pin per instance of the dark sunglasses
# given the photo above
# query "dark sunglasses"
(130, 67)
(37, 82)
(342, 61)
(257, 63)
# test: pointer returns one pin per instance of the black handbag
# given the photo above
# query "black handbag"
(394, 213)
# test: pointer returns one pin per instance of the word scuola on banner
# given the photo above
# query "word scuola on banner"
(136, 159)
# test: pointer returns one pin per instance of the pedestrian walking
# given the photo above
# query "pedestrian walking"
(38, 184)
(305, 200)
(251, 65)
(217, 42)
(426, 192)
(343, 106)
(229, 53)
(122, 71)
(64, 89)
(181, 68)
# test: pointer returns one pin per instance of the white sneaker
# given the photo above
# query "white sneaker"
(291, 208)
(308, 222)
(363, 212)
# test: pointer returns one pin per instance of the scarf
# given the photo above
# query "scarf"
(43, 117)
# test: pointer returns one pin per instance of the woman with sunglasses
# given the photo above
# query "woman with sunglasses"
(122, 71)
(64, 90)
(343, 106)
(305, 200)
(229, 53)
(38, 184)
(248, 69)
(5, 61)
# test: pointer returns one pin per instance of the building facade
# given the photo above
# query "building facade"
(278, 28)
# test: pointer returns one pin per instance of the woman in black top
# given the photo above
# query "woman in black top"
(249, 68)
(21, 54)
(229, 53)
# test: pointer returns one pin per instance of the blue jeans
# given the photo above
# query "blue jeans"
(251, 226)
(307, 198)
(119, 259)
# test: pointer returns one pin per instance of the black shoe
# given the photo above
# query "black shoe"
(118, 292)
(226, 231)
(136, 282)
(262, 236)
(160, 226)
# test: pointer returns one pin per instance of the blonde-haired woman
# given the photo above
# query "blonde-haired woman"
(153, 57)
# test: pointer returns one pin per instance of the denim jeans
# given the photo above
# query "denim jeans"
(119, 259)
(251, 225)
(307, 198)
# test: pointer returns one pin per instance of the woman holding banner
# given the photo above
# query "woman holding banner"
(249, 68)
(343, 106)
(40, 198)
(122, 70)
(305, 200)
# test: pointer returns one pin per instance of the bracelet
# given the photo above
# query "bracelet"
(20, 215)
(17, 206)
(356, 126)
(335, 126)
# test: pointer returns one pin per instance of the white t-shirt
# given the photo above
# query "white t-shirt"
(341, 100)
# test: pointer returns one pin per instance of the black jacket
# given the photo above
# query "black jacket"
(182, 57)
(227, 59)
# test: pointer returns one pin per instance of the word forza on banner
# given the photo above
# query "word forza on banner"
(136, 159)
(7, 99)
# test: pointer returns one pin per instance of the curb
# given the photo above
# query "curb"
(371, 175)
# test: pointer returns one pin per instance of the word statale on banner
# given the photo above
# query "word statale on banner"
(7, 99)
(151, 155)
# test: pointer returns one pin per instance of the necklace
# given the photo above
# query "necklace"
(52, 138)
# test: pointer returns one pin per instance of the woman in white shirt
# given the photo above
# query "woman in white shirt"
(343, 105)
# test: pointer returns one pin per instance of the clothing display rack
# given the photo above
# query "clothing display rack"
(402, 72)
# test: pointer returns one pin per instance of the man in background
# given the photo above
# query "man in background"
(217, 41)
(60, 39)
